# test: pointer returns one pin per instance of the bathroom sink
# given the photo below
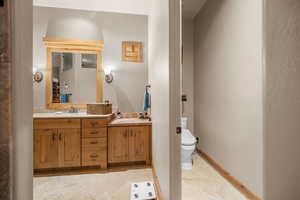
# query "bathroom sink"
(70, 114)
(127, 120)
(130, 121)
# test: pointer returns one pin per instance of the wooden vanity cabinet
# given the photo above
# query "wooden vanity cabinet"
(54, 148)
(139, 140)
(89, 142)
(45, 148)
(56, 145)
(94, 142)
(69, 147)
(129, 144)
(118, 144)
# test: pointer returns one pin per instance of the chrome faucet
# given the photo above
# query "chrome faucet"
(72, 109)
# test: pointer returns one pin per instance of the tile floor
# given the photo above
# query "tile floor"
(109, 186)
(201, 183)
(204, 183)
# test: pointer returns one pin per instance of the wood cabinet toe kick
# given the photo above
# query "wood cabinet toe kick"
(88, 142)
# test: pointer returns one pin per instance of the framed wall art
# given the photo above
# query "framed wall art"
(132, 52)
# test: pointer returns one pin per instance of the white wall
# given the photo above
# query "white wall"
(282, 94)
(159, 80)
(164, 76)
(141, 7)
(228, 87)
(127, 89)
(188, 71)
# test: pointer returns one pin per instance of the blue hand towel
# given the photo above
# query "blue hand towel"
(147, 101)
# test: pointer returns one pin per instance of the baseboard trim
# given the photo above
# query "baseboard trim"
(157, 185)
(233, 181)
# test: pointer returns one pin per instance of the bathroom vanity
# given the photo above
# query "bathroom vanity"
(63, 140)
(66, 141)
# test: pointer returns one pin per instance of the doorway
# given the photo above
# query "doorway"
(23, 94)
(217, 47)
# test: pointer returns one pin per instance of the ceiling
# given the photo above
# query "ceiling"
(190, 8)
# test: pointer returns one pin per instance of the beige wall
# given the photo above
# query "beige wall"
(22, 100)
(228, 87)
(188, 70)
(282, 105)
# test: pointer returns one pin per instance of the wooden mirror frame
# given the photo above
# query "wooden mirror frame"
(78, 46)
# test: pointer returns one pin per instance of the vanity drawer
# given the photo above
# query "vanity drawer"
(93, 133)
(95, 143)
(94, 157)
(94, 123)
(56, 123)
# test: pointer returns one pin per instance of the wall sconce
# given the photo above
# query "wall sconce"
(37, 75)
(108, 75)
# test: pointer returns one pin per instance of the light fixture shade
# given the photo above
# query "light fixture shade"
(74, 28)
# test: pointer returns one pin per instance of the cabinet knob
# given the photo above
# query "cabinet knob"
(93, 124)
(94, 156)
(94, 132)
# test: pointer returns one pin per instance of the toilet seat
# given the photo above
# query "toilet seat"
(187, 139)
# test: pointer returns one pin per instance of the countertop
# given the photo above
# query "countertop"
(114, 122)
(67, 115)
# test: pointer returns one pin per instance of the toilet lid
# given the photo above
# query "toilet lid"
(187, 137)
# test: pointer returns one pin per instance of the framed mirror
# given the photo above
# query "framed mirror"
(74, 73)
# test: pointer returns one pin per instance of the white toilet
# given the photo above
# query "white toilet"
(188, 145)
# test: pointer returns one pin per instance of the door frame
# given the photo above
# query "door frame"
(22, 24)
(22, 99)
(175, 56)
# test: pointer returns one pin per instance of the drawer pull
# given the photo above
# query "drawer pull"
(94, 156)
(94, 142)
(93, 124)
(94, 132)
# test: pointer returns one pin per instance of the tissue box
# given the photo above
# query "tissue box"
(99, 109)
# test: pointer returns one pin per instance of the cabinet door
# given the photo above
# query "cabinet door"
(117, 144)
(139, 143)
(45, 148)
(69, 147)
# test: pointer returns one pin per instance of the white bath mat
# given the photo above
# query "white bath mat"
(142, 191)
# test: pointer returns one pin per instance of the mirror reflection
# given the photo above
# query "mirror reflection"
(73, 77)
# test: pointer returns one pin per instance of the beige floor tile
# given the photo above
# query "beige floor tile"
(200, 183)
(110, 186)
(204, 183)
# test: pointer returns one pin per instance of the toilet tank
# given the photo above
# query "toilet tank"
(184, 122)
